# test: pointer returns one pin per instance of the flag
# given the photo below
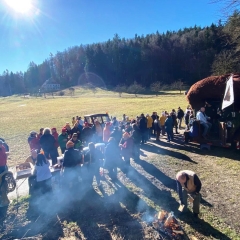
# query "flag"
(228, 98)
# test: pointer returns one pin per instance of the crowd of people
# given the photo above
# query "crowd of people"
(122, 139)
(82, 160)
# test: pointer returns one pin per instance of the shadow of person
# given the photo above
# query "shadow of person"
(202, 227)
(155, 172)
(100, 217)
(3, 214)
(42, 215)
(161, 197)
(155, 148)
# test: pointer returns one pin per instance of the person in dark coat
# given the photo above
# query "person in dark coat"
(154, 116)
(87, 134)
(76, 130)
(72, 158)
(136, 136)
(112, 155)
(143, 128)
(47, 142)
(187, 119)
(157, 126)
(169, 128)
(180, 115)
(92, 160)
(116, 134)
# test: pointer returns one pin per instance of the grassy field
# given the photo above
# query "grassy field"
(19, 115)
(123, 209)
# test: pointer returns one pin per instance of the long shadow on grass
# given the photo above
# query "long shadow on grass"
(156, 149)
(193, 147)
(155, 172)
(202, 227)
(166, 180)
(98, 217)
(160, 197)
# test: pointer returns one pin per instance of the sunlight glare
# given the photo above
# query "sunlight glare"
(20, 6)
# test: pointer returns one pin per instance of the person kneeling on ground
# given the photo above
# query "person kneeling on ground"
(189, 185)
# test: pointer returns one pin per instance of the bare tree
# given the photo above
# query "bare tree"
(120, 89)
(224, 62)
(177, 85)
(228, 6)
(136, 88)
(156, 87)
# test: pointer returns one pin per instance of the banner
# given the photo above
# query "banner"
(228, 98)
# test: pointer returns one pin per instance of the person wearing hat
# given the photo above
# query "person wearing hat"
(126, 147)
(189, 185)
(77, 143)
(62, 140)
(72, 156)
(116, 134)
(3, 157)
(71, 159)
(33, 141)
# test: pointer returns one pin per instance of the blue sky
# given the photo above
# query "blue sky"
(55, 25)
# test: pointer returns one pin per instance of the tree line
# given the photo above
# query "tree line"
(175, 57)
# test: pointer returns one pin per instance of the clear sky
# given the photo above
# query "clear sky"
(32, 29)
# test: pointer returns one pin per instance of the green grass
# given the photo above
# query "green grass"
(20, 115)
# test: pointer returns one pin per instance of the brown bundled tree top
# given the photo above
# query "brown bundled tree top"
(212, 89)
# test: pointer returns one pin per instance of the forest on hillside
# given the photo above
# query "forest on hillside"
(188, 55)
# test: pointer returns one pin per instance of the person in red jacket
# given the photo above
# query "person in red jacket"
(3, 158)
(126, 147)
(33, 141)
(55, 134)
